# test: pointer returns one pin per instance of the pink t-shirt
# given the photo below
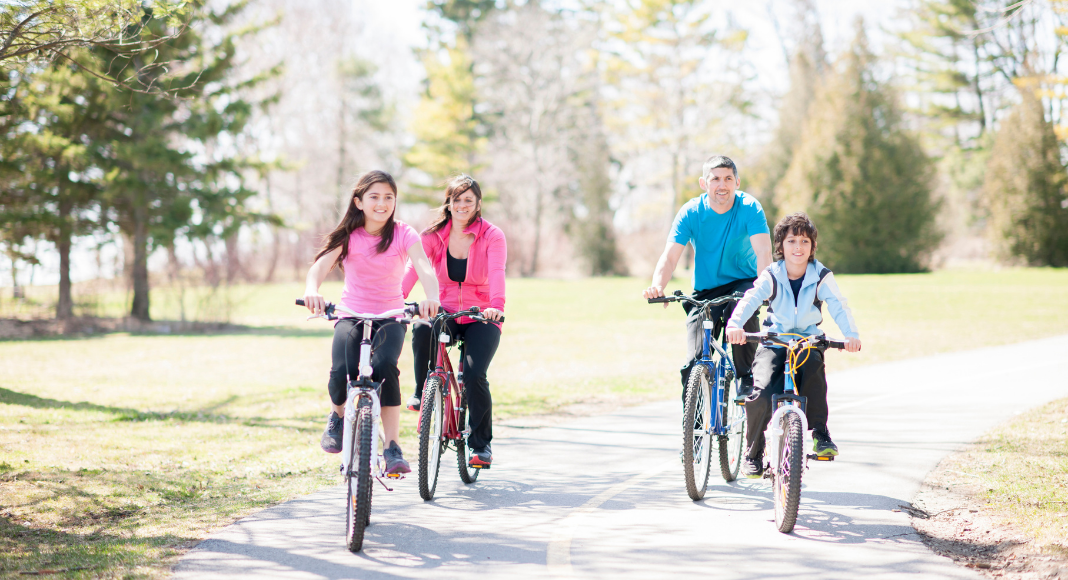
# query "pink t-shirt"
(373, 280)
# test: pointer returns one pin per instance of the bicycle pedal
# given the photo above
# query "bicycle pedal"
(479, 466)
(821, 457)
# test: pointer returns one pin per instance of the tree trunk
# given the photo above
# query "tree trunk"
(139, 269)
(65, 306)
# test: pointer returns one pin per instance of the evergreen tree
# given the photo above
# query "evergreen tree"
(171, 162)
(1025, 187)
(861, 176)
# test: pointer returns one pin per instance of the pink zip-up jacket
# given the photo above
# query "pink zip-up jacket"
(484, 284)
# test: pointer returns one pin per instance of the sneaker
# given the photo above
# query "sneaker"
(395, 462)
(331, 441)
(753, 468)
(744, 390)
(481, 458)
(414, 403)
(822, 444)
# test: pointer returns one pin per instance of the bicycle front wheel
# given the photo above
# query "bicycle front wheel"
(430, 439)
(468, 474)
(731, 444)
(358, 478)
(787, 480)
(697, 432)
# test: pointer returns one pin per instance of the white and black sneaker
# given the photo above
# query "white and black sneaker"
(753, 468)
(331, 441)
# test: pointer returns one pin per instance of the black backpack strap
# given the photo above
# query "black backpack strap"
(816, 301)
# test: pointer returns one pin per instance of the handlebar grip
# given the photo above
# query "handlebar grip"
(836, 344)
(300, 302)
(661, 299)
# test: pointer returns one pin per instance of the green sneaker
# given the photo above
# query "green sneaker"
(822, 444)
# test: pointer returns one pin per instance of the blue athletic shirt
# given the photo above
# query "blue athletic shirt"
(722, 250)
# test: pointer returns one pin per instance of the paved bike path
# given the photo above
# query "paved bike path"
(603, 497)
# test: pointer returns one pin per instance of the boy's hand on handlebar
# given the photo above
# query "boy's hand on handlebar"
(852, 344)
(314, 302)
(654, 292)
(736, 335)
(428, 309)
(492, 314)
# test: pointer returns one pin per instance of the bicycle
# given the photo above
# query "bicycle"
(784, 457)
(443, 418)
(713, 378)
(362, 439)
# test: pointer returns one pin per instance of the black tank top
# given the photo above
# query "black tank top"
(457, 267)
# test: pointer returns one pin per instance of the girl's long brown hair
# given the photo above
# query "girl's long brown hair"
(456, 187)
(354, 219)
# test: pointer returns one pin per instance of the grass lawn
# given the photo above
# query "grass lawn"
(117, 452)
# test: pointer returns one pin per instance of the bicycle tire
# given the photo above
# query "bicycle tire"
(696, 433)
(732, 444)
(787, 484)
(358, 480)
(468, 474)
(430, 425)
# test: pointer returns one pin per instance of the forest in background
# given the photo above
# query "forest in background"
(212, 143)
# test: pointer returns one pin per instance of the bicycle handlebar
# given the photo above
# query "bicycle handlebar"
(328, 313)
(773, 338)
(678, 296)
(474, 312)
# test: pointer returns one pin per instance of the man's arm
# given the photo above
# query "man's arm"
(762, 247)
(665, 267)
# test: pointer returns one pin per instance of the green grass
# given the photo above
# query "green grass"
(118, 451)
(1021, 470)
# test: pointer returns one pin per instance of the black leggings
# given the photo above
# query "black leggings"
(480, 344)
(385, 350)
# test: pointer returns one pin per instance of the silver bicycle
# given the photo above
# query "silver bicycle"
(362, 440)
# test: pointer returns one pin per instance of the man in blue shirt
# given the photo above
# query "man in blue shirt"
(729, 233)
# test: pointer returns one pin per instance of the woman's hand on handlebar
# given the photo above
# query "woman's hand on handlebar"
(313, 301)
(736, 335)
(429, 309)
(852, 344)
(492, 314)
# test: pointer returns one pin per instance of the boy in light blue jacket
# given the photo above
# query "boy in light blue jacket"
(796, 286)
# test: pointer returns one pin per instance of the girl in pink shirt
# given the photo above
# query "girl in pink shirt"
(468, 255)
(372, 249)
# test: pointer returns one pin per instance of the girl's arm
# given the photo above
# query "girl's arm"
(410, 275)
(427, 308)
(313, 301)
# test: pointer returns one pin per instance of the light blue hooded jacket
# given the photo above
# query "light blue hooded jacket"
(804, 318)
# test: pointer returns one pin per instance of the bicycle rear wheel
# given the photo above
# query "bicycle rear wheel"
(358, 478)
(468, 474)
(431, 422)
(787, 481)
(731, 444)
(696, 432)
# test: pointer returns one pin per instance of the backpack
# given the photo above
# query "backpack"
(775, 291)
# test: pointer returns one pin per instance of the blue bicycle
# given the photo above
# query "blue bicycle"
(711, 410)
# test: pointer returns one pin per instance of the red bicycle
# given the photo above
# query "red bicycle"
(443, 418)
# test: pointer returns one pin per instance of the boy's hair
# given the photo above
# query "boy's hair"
(717, 161)
(797, 224)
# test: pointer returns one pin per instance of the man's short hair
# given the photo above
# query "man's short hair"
(796, 224)
(717, 161)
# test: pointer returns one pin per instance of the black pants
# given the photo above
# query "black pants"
(695, 331)
(768, 377)
(385, 351)
(481, 340)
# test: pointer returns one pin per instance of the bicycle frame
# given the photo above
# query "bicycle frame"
(364, 387)
(453, 381)
(718, 372)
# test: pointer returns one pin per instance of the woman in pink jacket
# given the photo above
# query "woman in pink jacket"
(468, 255)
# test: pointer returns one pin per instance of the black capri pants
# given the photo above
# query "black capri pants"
(385, 352)
(481, 340)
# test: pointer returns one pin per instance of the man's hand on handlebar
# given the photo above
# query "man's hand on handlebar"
(852, 344)
(736, 335)
(654, 292)
(428, 309)
(314, 302)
